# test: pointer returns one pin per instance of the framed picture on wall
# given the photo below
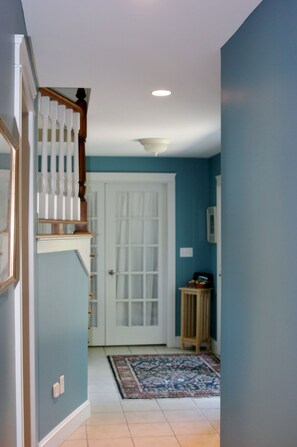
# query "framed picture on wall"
(211, 216)
(8, 192)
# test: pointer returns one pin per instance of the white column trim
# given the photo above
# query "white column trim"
(24, 96)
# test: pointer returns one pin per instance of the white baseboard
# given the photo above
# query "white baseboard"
(177, 342)
(60, 433)
(214, 347)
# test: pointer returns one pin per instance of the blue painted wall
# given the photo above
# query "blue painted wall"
(11, 22)
(259, 159)
(62, 336)
(214, 170)
(192, 199)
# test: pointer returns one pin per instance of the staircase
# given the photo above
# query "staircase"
(61, 176)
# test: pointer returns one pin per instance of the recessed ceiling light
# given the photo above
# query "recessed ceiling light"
(161, 93)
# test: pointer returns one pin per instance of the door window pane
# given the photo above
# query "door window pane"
(122, 316)
(151, 204)
(151, 287)
(137, 259)
(151, 232)
(136, 204)
(137, 314)
(122, 231)
(122, 287)
(122, 261)
(152, 313)
(93, 320)
(92, 204)
(122, 204)
(136, 231)
(137, 287)
(93, 284)
(151, 259)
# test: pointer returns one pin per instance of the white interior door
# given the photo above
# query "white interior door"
(135, 250)
(137, 304)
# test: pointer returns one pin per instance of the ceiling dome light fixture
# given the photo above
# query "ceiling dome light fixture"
(161, 93)
(154, 145)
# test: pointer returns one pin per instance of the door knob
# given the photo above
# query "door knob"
(112, 272)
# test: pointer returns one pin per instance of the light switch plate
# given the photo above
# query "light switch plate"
(186, 252)
(62, 384)
(56, 390)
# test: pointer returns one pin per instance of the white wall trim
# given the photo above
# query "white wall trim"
(167, 179)
(214, 347)
(78, 243)
(24, 96)
(62, 431)
(176, 342)
(171, 257)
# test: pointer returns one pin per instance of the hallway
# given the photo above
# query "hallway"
(114, 422)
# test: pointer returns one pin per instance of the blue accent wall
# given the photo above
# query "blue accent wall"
(62, 336)
(192, 199)
(259, 239)
(11, 22)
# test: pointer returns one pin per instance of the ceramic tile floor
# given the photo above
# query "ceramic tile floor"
(115, 422)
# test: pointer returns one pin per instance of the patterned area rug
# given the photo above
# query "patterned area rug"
(170, 375)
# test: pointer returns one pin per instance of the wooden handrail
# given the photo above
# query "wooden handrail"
(82, 103)
(81, 107)
(55, 96)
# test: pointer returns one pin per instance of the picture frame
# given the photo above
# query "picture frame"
(8, 201)
(211, 218)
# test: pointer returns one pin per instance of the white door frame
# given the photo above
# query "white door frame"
(219, 264)
(24, 96)
(169, 181)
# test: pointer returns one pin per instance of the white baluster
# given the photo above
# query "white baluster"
(61, 181)
(76, 199)
(43, 196)
(53, 161)
(69, 192)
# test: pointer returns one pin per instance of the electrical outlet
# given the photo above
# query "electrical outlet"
(56, 390)
(62, 384)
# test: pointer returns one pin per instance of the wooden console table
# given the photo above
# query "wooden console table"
(195, 317)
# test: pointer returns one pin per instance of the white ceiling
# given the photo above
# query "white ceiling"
(123, 50)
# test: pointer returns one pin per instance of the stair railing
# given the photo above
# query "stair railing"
(61, 190)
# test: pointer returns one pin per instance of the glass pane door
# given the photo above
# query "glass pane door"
(135, 251)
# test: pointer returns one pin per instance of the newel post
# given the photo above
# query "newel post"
(81, 95)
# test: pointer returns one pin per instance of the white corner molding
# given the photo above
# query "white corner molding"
(24, 95)
(24, 88)
(214, 347)
(79, 243)
(60, 433)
